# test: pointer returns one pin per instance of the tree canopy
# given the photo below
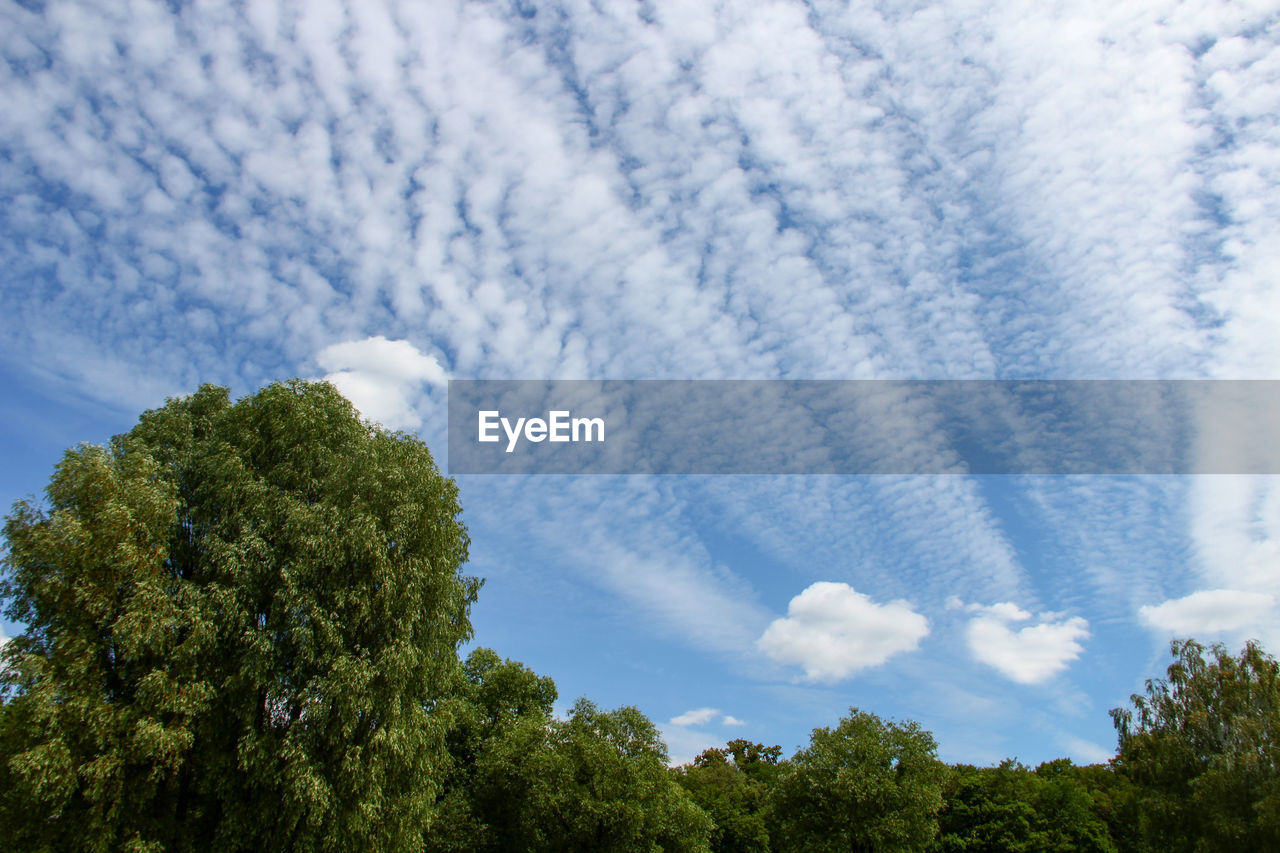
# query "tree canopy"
(1203, 746)
(239, 620)
(1013, 809)
(732, 785)
(866, 785)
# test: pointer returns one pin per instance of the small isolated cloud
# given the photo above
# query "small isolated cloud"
(1030, 655)
(696, 717)
(380, 376)
(1210, 611)
(702, 716)
(685, 739)
(833, 631)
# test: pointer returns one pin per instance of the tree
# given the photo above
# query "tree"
(522, 780)
(1203, 747)
(755, 760)
(596, 782)
(240, 618)
(987, 809)
(1070, 817)
(489, 699)
(1115, 802)
(731, 785)
(1013, 809)
(867, 785)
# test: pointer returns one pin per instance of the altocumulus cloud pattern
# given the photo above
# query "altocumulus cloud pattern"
(394, 194)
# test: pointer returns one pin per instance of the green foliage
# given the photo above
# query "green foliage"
(522, 780)
(987, 809)
(1203, 745)
(755, 760)
(595, 782)
(865, 785)
(1071, 812)
(1012, 809)
(1114, 801)
(240, 618)
(490, 696)
(732, 786)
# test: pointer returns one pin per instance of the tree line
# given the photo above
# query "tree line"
(242, 632)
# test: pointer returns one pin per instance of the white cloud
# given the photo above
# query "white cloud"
(396, 360)
(381, 377)
(1235, 524)
(832, 631)
(443, 173)
(1235, 531)
(696, 717)
(702, 716)
(1211, 611)
(1030, 655)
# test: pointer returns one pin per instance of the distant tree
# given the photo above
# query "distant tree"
(987, 810)
(1203, 748)
(755, 760)
(731, 784)
(596, 782)
(866, 785)
(1069, 817)
(489, 698)
(239, 621)
(1115, 802)
(1013, 809)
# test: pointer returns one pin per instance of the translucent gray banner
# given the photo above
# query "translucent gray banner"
(864, 427)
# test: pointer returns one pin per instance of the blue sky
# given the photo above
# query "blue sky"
(390, 195)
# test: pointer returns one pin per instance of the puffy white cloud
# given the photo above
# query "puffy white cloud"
(1029, 655)
(696, 717)
(396, 360)
(732, 721)
(380, 377)
(1211, 611)
(832, 631)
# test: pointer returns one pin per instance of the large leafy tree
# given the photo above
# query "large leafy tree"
(240, 620)
(1203, 747)
(866, 785)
